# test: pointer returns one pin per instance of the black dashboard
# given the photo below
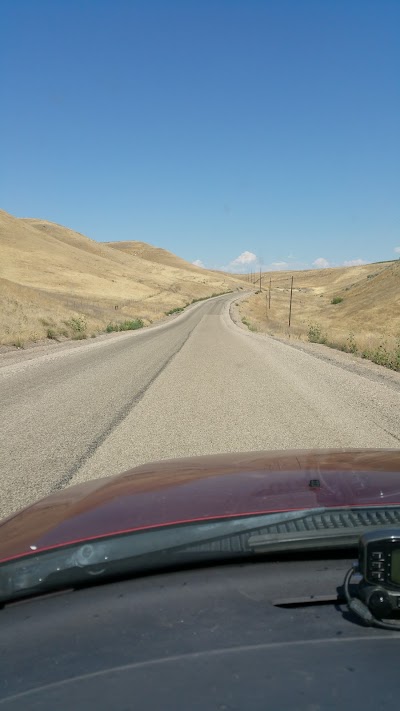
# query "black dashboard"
(240, 636)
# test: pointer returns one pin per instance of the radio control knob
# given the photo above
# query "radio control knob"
(379, 604)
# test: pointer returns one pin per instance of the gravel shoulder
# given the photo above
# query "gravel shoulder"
(348, 361)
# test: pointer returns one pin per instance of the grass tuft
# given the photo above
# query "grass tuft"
(125, 325)
(176, 310)
(249, 325)
(204, 298)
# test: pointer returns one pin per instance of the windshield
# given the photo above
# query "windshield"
(198, 258)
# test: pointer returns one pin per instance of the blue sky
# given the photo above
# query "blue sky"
(224, 131)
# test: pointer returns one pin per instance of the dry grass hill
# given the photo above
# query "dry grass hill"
(153, 254)
(352, 308)
(57, 283)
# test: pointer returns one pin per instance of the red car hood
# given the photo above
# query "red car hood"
(200, 488)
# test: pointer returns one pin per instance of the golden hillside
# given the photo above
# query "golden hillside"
(154, 254)
(368, 305)
(51, 276)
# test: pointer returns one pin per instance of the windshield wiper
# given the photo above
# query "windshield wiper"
(143, 551)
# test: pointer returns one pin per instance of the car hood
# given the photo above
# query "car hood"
(204, 488)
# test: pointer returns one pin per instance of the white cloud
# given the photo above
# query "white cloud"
(244, 258)
(241, 263)
(247, 262)
(397, 250)
(321, 263)
(354, 262)
(198, 263)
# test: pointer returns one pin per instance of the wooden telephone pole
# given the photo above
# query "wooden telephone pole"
(290, 302)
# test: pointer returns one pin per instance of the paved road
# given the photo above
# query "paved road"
(196, 385)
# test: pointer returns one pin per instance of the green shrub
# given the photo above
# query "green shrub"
(125, 325)
(337, 300)
(51, 333)
(315, 334)
(380, 355)
(174, 311)
(396, 357)
(77, 324)
(131, 325)
(249, 325)
(351, 345)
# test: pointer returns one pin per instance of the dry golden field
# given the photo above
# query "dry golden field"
(57, 283)
(365, 319)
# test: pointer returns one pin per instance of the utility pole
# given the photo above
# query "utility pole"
(260, 280)
(290, 303)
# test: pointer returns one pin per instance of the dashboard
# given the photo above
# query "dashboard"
(272, 634)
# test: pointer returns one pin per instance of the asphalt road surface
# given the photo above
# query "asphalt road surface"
(196, 385)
